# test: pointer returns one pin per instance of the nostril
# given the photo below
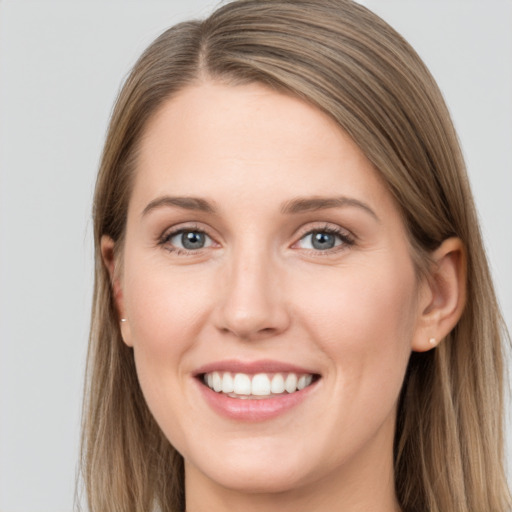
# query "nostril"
(247, 332)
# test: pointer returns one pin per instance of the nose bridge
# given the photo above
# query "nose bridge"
(253, 304)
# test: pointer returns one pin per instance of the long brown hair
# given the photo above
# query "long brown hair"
(340, 57)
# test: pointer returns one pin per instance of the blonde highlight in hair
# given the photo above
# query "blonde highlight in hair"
(340, 57)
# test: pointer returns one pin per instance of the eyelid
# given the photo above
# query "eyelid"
(324, 226)
(178, 228)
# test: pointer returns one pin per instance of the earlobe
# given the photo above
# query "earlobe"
(444, 296)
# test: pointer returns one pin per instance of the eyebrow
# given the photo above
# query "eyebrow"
(187, 203)
(294, 206)
(308, 204)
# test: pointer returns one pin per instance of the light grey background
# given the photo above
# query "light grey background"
(61, 64)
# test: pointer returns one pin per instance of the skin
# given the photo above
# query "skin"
(260, 290)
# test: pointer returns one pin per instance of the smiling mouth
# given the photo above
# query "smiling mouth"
(257, 386)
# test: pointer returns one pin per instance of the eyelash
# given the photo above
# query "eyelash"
(346, 238)
(168, 236)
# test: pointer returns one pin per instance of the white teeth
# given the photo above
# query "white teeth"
(217, 381)
(260, 385)
(304, 381)
(242, 385)
(277, 385)
(290, 383)
(228, 385)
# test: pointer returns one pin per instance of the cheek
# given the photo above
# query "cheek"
(364, 319)
(353, 301)
(166, 311)
(164, 307)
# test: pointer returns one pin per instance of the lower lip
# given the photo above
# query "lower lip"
(248, 409)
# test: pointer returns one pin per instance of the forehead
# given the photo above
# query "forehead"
(216, 139)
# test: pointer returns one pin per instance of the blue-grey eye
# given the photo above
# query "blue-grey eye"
(320, 240)
(190, 240)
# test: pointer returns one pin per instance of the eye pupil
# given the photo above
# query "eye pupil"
(192, 240)
(322, 240)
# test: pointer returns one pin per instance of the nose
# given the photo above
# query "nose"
(252, 304)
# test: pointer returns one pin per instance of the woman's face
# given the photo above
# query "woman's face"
(263, 253)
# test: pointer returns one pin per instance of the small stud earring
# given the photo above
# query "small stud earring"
(123, 319)
(432, 341)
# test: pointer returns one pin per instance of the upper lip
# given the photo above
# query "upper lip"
(252, 367)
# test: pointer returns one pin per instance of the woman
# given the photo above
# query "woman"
(292, 310)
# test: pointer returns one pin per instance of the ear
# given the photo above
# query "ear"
(110, 261)
(442, 297)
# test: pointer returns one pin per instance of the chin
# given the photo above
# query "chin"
(257, 475)
(254, 480)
